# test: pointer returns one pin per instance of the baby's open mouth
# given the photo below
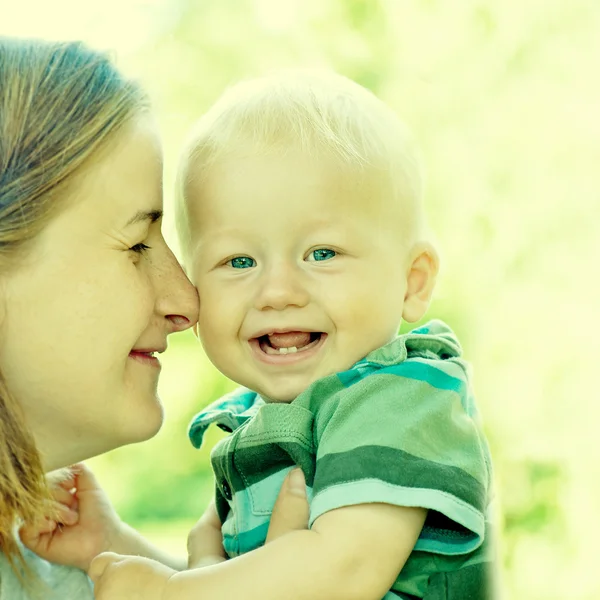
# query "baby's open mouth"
(289, 342)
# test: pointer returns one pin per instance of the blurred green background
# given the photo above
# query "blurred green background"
(503, 98)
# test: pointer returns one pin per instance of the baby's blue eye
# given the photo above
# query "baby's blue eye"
(322, 254)
(242, 262)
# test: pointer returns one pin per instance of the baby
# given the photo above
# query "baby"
(301, 221)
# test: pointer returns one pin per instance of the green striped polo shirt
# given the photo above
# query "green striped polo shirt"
(399, 427)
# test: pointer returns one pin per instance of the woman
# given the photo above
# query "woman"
(89, 289)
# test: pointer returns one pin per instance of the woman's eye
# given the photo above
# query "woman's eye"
(321, 254)
(242, 262)
(140, 248)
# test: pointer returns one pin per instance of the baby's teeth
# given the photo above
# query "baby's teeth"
(289, 350)
(280, 351)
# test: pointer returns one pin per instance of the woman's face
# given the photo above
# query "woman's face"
(81, 315)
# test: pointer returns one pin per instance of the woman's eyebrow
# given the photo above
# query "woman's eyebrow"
(145, 215)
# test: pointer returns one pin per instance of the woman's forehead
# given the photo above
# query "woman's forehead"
(124, 180)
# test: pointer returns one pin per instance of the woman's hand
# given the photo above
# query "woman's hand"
(291, 509)
(81, 524)
(119, 577)
(289, 514)
(85, 524)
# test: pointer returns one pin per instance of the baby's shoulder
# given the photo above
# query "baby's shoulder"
(421, 371)
(431, 354)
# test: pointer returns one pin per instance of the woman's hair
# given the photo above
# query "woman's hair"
(59, 104)
(320, 113)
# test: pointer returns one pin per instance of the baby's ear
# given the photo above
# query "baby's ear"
(420, 281)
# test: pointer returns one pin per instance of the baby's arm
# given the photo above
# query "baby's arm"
(290, 513)
(205, 540)
(351, 552)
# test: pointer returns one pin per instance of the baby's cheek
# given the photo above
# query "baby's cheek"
(210, 316)
(212, 339)
(218, 340)
(356, 315)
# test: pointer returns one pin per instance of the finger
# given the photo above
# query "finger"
(85, 480)
(30, 533)
(65, 515)
(101, 563)
(61, 478)
(63, 496)
(291, 509)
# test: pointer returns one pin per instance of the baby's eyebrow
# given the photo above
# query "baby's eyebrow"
(145, 215)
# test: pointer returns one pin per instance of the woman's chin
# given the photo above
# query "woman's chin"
(143, 425)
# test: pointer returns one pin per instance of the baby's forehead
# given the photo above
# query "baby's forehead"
(355, 223)
(287, 180)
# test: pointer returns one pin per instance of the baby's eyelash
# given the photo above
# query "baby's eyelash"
(325, 254)
(140, 248)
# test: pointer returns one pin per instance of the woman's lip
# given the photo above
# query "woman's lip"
(145, 358)
(157, 350)
(285, 359)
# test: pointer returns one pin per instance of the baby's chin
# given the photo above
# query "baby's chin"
(272, 395)
(288, 391)
(276, 400)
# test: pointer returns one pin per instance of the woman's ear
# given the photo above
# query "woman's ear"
(420, 281)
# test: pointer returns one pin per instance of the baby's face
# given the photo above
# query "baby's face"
(300, 270)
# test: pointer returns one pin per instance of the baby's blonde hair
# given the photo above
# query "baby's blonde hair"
(320, 113)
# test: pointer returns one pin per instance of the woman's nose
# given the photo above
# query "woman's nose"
(177, 299)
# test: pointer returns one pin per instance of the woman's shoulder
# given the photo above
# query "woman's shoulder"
(52, 582)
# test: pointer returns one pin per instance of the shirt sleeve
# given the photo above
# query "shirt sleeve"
(403, 435)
